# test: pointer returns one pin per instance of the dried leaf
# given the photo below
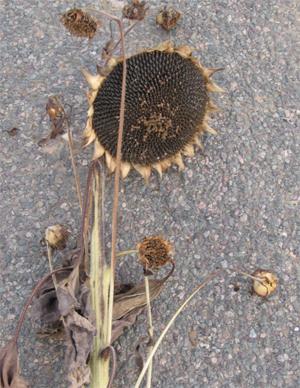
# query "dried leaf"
(45, 306)
(58, 118)
(9, 367)
(126, 321)
(135, 297)
(80, 333)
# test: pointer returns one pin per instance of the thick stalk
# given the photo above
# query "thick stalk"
(99, 283)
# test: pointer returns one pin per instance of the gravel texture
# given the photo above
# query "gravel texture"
(236, 205)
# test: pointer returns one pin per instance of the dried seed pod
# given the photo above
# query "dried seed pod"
(154, 252)
(168, 18)
(57, 236)
(135, 10)
(80, 23)
(167, 109)
(265, 284)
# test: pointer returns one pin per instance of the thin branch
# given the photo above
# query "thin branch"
(74, 167)
(150, 330)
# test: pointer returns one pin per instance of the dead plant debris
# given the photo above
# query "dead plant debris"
(80, 23)
(154, 252)
(12, 131)
(58, 119)
(265, 283)
(168, 18)
(57, 236)
(9, 367)
(135, 10)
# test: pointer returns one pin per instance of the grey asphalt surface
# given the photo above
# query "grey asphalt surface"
(236, 205)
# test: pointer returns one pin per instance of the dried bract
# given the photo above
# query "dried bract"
(154, 252)
(57, 236)
(135, 10)
(168, 18)
(80, 23)
(265, 284)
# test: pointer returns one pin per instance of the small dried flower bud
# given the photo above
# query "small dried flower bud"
(154, 252)
(135, 10)
(265, 284)
(168, 18)
(80, 23)
(57, 236)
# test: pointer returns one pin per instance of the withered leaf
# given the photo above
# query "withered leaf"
(135, 297)
(126, 321)
(58, 119)
(9, 367)
(80, 333)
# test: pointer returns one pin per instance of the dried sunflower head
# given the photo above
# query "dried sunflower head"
(135, 10)
(154, 252)
(57, 236)
(166, 109)
(80, 23)
(168, 18)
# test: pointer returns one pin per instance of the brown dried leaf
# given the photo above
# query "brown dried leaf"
(123, 323)
(79, 336)
(135, 297)
(9, 367)
(58, 118)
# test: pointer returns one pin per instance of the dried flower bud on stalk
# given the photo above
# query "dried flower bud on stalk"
(154, 252)
(80, 23)
(168, 18)
(266, 283)
(135, 10)
(57, 236)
